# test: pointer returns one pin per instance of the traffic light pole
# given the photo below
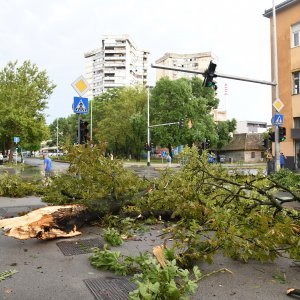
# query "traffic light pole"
(276, 88)
(216, 74)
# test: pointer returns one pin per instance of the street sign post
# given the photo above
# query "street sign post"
(16, 139)
(80, 105)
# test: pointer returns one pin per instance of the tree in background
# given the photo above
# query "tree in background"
(172, 100)
(67, 131)
(224, 130)
(120, 117)
(24, 91)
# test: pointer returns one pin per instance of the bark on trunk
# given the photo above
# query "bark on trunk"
(48, 222)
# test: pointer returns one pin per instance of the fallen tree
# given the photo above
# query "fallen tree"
(214, 210)
(48, 222)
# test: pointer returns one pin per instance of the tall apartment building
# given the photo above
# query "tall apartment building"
(195, 61)
(288, 44)
(117, 63)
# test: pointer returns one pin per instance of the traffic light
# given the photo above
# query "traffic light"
(282, 134)
(84, 131)
(265, 143)
(181, 123)
(272, 136)
(209, 76)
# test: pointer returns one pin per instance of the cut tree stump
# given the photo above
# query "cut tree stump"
(48, 222)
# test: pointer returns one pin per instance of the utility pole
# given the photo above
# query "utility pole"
(148, 123)
(91, 133)
(57, 137)
(276, 89)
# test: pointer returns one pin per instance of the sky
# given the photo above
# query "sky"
(55, 35)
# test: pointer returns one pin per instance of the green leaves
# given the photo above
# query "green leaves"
(153, 281)
(99, 183)
(109, 260)
(24, 91)
(113, 237)
(230, 212)
(7, 274)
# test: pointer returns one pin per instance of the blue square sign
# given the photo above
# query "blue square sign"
(81, 105)
(278, 119)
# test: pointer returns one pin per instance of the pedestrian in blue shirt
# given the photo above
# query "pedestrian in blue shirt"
(282, 160)
(47, 165)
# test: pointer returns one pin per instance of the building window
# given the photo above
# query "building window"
(296, 81)
(252, 154)
(296, 35)
(297, 122)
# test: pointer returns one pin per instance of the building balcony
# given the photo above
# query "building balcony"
(116, 51)
(107, 58)
(114, 64)
(295, 133)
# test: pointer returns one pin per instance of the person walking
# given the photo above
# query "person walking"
(282, 160)
(169, 160)
(47, 165)
(1, 158)
(270, 163)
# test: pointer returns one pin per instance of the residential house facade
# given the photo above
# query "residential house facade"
(245, 147)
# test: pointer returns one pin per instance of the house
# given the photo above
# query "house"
(245, 147)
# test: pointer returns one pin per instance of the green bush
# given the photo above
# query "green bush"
(95, 181)
(16, 186)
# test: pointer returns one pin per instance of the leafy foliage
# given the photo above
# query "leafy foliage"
(95, 181)
(24, 91)
(110, 260)
(7, 274)
(236, 213)
(153, 281)
(15, 186)
(172, 100)
(113, 237)
(287, 178)
(123, 120)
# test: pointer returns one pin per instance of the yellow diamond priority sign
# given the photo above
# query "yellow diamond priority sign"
(278, 104)
(80, 85)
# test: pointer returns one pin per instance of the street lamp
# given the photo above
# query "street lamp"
(148, 123)
(276, 92)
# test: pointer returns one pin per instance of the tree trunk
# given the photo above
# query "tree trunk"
(10, 147)
(48, 222)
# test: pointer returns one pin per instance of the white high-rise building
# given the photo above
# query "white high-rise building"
(194, 61)
(117, 63)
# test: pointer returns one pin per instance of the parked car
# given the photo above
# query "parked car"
(211, 158)
(222, 158)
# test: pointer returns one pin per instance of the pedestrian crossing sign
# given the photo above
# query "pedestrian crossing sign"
(278, 119)
(81, 105)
